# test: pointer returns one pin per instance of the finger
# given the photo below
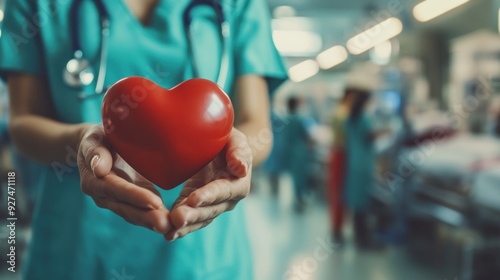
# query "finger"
(156, 220)
(173, 235)
(115, 188)
(125, 171)
(179, 201)
(96, 155)
(189, 187)
(219, 191)
(185, 215)
(238, 154)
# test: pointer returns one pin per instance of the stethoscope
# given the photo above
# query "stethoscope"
(78, 72)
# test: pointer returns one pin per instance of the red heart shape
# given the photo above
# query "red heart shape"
(167, 135)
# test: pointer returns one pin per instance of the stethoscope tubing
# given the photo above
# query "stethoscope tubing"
(103, 67)
(225, 34)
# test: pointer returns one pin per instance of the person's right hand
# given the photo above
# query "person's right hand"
(114, 185)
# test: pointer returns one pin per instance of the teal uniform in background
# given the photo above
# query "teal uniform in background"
(360, 160)
(74, 239)
(296, 153)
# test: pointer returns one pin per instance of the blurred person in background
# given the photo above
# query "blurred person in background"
(296, 150)
(336, 176)
(274, 165)
(360, 167)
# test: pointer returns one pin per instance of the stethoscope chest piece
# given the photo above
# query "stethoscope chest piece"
(78, 71)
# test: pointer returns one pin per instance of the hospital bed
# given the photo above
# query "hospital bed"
(446, 172)
(456, 185)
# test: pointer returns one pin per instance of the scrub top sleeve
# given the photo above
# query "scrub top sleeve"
(254, 49)
(20, 43)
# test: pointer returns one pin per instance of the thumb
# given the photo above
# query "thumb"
(96, 155)
(238, 154)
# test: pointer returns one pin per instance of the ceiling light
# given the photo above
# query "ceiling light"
(284, 11)
(297, 43)
(303, 70)
(374, 36)
(332, 57)
(431, 9)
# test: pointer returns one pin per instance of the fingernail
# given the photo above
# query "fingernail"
(94, 162)
(245, 166)
(244, 163)
(155, 229)
(175, 236)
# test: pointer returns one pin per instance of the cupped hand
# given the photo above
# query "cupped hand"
(114, 185)
(215, 189)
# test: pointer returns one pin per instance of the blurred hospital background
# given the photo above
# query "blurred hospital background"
(432, 70)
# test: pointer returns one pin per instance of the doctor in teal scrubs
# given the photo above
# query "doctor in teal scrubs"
(75, 235)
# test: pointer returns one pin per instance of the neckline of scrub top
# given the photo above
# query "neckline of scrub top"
(154, 17)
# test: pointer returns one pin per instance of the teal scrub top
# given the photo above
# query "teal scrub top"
(360, 161)
(73, 238)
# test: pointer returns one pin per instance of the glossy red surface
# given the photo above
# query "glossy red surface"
(167, 135)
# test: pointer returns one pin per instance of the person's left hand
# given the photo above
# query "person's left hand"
(217, 188)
